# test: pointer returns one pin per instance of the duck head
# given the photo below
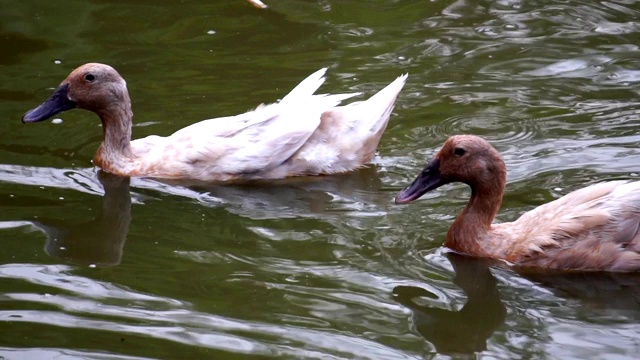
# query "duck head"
(463, 158)
(94, 87)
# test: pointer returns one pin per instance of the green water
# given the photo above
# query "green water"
(98, 267)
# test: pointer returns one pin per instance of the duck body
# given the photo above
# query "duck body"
(596, 228)
(302, 134)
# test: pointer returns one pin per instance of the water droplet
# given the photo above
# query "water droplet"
(56, 121)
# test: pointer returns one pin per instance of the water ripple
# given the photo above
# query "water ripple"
(322, 268)
(66, 354)
(82, 305)
(57, 278)
(498, 128)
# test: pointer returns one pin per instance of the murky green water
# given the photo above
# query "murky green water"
(94, 267)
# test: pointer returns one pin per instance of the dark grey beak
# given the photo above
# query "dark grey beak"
(56, 103)
(428, 180)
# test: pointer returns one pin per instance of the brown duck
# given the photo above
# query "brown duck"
(595, 228)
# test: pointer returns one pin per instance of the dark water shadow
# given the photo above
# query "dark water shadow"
(20, 46)
(318, 197)
(467, 331)
(99, 241)
(458, 332)
(595, 291)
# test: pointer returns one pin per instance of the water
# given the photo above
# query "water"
(99, 267)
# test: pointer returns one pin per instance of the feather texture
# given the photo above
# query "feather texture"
(302, 134)
(595, 228)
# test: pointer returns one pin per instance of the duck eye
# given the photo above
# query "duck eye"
(459, 151)
(89, 77)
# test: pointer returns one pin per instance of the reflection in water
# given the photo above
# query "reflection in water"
(105, 311)
(60, 353)
(554, 83)
(99, 241)
(467, 330)
(303, 197)
(599, 290)
(600, 294)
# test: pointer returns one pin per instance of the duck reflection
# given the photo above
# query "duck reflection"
(299, 197)
(99, 241)
(619, 292)
(467, 330)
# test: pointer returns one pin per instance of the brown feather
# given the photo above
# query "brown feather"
(596, 228)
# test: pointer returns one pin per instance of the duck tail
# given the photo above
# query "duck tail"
(305, 89)
(361, 124)
(377, 109)
(303, 95)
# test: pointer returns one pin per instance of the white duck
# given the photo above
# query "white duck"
(302, 134)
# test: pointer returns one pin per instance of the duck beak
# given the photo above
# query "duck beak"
(428, 180)
(56, 103)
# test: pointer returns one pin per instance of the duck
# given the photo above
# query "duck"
(303, 134)
(595, 228)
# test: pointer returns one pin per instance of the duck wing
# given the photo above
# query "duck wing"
(227, 126)
(596, 227)
(260, 140)
(223, 150)
(256, 148)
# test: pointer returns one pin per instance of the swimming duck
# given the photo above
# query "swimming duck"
(302, 134)
(595, 228)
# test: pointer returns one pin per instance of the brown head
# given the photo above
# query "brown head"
(463, 158)
(94, 87)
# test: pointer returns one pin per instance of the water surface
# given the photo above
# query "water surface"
(95, 266)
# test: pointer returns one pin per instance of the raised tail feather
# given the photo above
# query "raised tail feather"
(378, 108)
(306, 87)
(305, 90)
(370, 117)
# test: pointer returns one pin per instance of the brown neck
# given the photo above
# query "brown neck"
(473, 225)
(116, 135)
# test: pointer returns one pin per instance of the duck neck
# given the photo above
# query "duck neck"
(115, 150)
(473, 225)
